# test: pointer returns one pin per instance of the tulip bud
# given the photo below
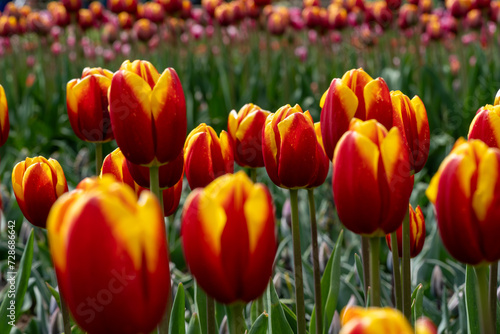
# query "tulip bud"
(357, 319)
(121, 283)
(292, 154)
(245, 129)
(85, 18)
(97, 9)
(417, 233)
(207, 156)
(425, 326)
(371, 179)
(37, 184)
(486, 125)
(465, 192)
(148, 113)
(116, 165)
(4, 117)
(228, 237)
(72, 6)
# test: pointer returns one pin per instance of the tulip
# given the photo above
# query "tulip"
(292, 154)
(245, 129)
(4, 117)
(207, 156)
(37, 184)
(425, 326)
(228, 237)
(87, 104)
(373, 321)
(486, 125)
(417, 233)
(72, 5)
(85, 18)
(121, 283)
(148, 113)
(410, 117)
(116, 165)
(355, 95)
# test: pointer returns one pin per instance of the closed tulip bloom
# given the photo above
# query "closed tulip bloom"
(121, 283)
(228, 237)
(37, 184)
(466, 195)
(4, 117)
(169, 174)
(410, 117)
(116, 165)
(371, 179)
(148, 113)
(425, 326)
(324, 164)
(292, 154)
(360, 320)
(417, 233)
(355, 95)
(245, 129)
(87, 103)
(207, 156)
(486, 125)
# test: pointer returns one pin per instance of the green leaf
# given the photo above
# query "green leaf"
(253, 311)
(21, 284)
(201, 306)
(277, 318)
(194, 325)
(290, 317)
(471, 300)
(260, 325)
(359, 269)
(177, 323)
(419, 301)
(54, 293)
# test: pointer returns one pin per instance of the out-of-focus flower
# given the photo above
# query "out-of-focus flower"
(228, 237)
(486, 125)
(144, 29)
(37, 184)
(154, 12)
(276, 24)
(371, 178)
(148, 113)
(466, 194)
(87, 104)
(292, 154)
(355, 95)
(8, 25)
(97, 9)
(337, 17)
(72, 6)
(474, 19)
(458, 8)
(125, 20)
(245, 129)
(210, 6)
(425, 326)
(4, 117)
(85, 18)
(360, 320)
(207, 156)
(408, 16)
(171, 6)
(417, 233)
(119, 6)
(127, 262)
(109, 33)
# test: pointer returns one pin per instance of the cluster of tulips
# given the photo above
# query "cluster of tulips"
(122, 22)
(108, 237)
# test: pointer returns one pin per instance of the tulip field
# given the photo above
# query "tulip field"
(250, 167)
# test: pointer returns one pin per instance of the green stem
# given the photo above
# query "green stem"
(235, 319)
(253, 174)
(315, 256)
(484, 309)
(493, 293)
(406, 268)
(375, 271)
(210, 315)
(65, 314)
(98, 158)
(297, 261)
(365, 254)
(396, 271)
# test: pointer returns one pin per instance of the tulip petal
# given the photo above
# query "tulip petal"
(378, 103)
(4, 117)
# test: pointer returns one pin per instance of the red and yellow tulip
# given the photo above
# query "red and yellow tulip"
(207, 156)
(228, 236)
(486, 125)
(116, 165)
(371, 178)
(466, 194)
(148, 113)
(292, 154)
(497, 98)
(87, 103)
(245, 129)
(360, 320)
(358, 95)
(121, 283)
(4, 117)
(410, 117)
(37, 184)
(417, 233)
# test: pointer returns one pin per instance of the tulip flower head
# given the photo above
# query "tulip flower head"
(371, 178)
(373, 321)
(486, 125)
(245, 129)
(37, 184)
(228, 237)
(4, 117)
(465, 192)
(355, 95)
(293, 156)
(87, 103)
(121, 283)
(207, 156)
(116, 165)
(148, 113)
(417, 233)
